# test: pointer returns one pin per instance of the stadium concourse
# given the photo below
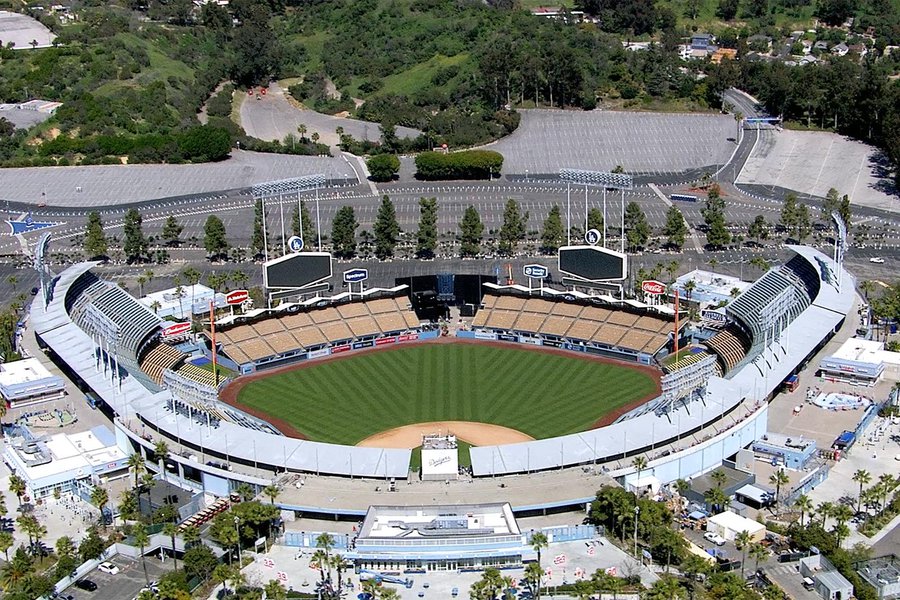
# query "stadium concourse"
(714, 403)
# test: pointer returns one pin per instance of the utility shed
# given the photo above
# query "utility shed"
(729, 524)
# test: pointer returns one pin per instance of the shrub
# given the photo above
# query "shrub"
(470, 164)
(383, 167)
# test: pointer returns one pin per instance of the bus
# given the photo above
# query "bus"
(683, 198)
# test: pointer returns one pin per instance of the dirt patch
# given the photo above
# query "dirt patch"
(229, 395)
(477, 434)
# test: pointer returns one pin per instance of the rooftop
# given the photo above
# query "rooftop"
(880, 571)
(438, 521)
(23, 371)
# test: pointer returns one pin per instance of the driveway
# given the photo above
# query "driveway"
(272, 117)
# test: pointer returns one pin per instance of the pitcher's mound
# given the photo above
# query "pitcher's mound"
(477, 434)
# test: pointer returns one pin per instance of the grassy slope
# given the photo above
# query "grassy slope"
(539, 394)
(419, 77)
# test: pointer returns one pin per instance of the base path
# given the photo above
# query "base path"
(477, 434)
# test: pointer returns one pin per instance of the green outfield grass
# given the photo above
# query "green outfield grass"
(542, 395)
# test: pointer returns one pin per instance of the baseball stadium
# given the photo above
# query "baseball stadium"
(550, 390)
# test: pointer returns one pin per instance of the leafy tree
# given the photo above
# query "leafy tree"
(513, 229)
(637, 229)
(303, 226)
(675, 229)
(255, 45)
(383, 167)
(727, 9)
(834, 12)
(426, 238)
(552, 232)
(92, 546)
(471, 230)
(199, 561)
(94, 238)
(386, 229)
(257, 240)
(214, 239)
(469, 164)
(635, 16)
(135, 244)
(595, 219)
(205, 143)
(343, 233)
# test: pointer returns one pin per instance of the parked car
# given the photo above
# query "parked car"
(877, 260)
(108, 567)
(86, 584)
(715, 538)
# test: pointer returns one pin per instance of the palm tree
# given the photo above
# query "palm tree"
(17, 486)
(171, 530)
(320, 559)
(842, 514)
(825, 510)
(141, 539)
(666, 588)
(13, 280)
(742, 541)
(689, 287)
(161, 452)
(272, 492)
(778, 479)
(141, 280)
(239, 278)
(190, 535)
(245, 491)
(137, 464)
(867, 287)
(274, 590)
(639, 463)
(155, 305)
(681, 486)
(533, 574)
(888, 483)
(719, 478)
(99, 497)
(841, 532)
(758, 552)
(325, 542)
(862, 477)
(6, 542)
(804, 505)
(301, 129)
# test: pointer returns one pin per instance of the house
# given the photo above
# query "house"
(840, 50)
(557, 12)
(858, 49)
(729, 525)
(759, 42)
(821, 46)
(701, 41)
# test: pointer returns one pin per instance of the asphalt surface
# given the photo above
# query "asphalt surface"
(125, 584)
(272, 117)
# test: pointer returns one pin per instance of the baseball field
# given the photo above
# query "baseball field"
(537, 392)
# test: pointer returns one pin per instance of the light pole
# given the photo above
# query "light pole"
(637, 511)
(237, 530)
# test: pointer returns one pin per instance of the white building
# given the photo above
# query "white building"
(862, 362)
(729, 524)
(27, 381)
(191, 300)
(71, 463)
(708, 287)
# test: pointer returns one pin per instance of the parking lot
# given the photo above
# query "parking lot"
(548, 140)
(125, 584)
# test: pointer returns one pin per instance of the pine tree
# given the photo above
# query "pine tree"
(308, 230)
(171, 231)
(513, 229)
(552, 233)
(759, 229)
(831, 204)
(789, 213)
(471, 230)
(717, 234)
(94, 239)
(257, 241)
(844, 210)
(637, 230)
(675, 229)
(214, 237)
(803, 226)
(426, 242)
(135, 244)
(343, 233)
(386, 229)
(595, 220)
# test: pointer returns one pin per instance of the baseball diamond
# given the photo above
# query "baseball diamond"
(537, 392)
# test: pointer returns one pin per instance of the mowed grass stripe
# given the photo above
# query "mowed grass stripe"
(542, 395)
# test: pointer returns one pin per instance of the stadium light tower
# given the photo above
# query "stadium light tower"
(281, 188)
(601, 179)
(840, 244)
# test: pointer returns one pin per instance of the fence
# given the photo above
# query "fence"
(307, 539)
(568, 533)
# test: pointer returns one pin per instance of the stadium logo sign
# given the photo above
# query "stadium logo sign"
(651, 286)
(592, 237)
(356, 275)
(436, 462)
(295, 243)
(711, 315)
(236, 297)
(536, 271)
(176, 329)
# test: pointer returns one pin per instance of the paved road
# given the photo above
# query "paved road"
(272, 117)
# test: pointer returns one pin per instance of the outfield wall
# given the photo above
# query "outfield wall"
(587, 348)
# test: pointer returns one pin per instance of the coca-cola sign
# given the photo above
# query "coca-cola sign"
(651, 286)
